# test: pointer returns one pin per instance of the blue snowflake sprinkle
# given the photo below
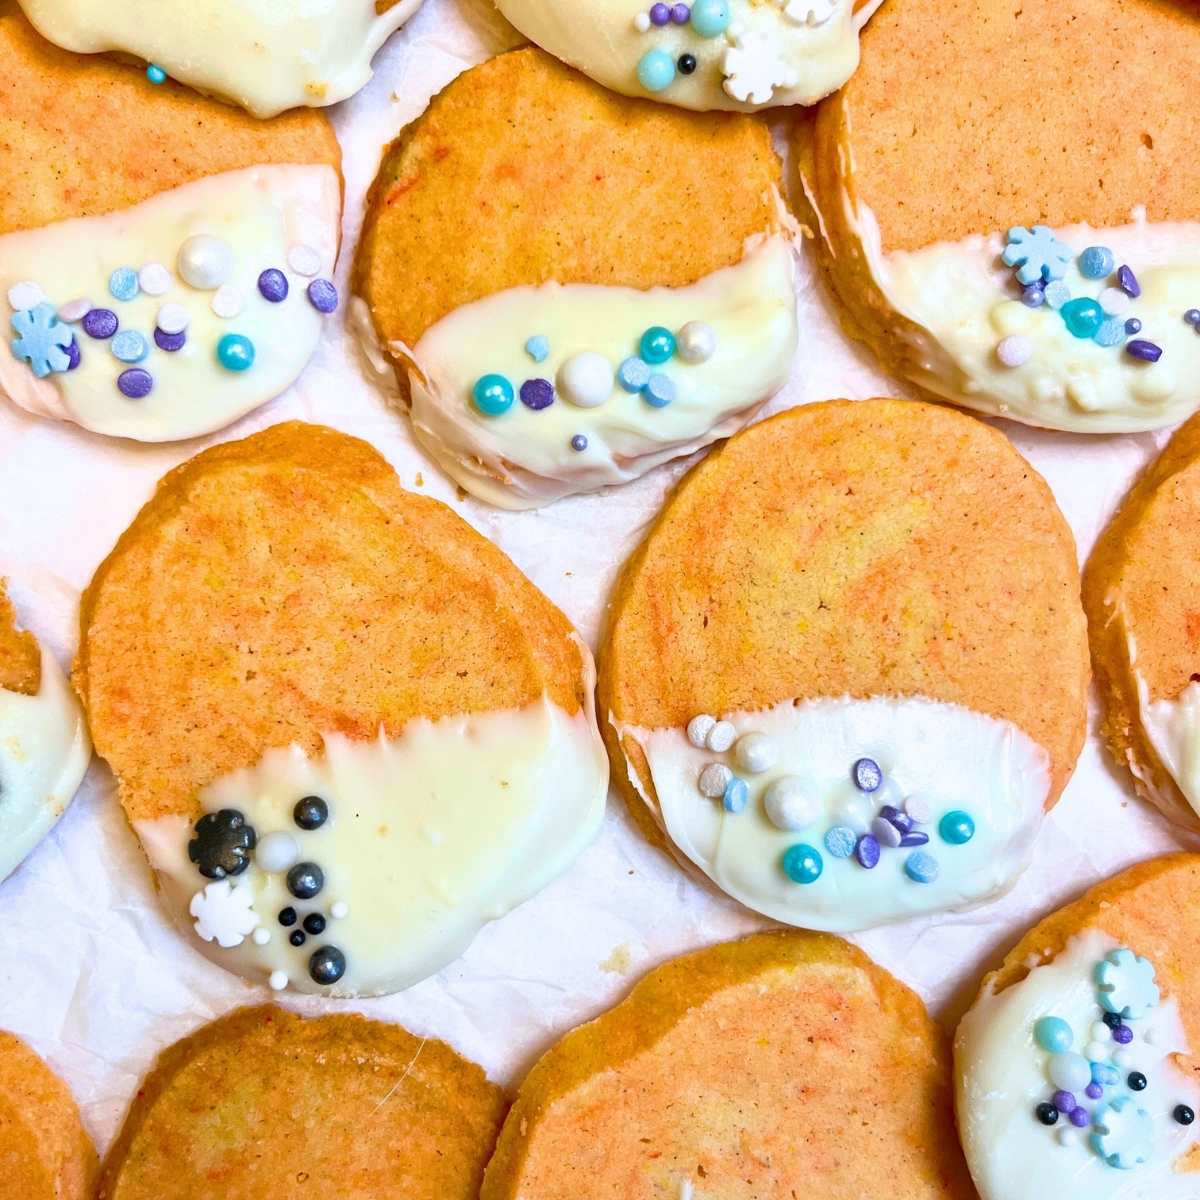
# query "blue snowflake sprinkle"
(1036, 253)
(42, 340)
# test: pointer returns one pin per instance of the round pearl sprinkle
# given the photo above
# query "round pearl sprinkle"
(305, 880)
(1143, 350)
(1070, 1071)
(696, 342)
(323, 296)
(866, 775)
(304, 260)
(659, 391)
(633, 374)
(100, 323)
(1127, 282)
(156, 75)
(642, 22)
(493, 395)
(1183, 1114)
(204, 262)
(1093, 1091)
(698, 729)
(1057, 294)
(714, 779)
(261, 936)
(680, 14)
(657, 345)
(840, 841)
(1122, 1035)
(1033, 295)
(25, 295)
(1064, 1102)
(956, 827)
(227, 301)
(790, 805)
(537, 394)
(1102, 1030)
(687, 64)
(273, 285)
(721, 736)
(1137, 1081)
(803, 863)
(1132, 326)
(711, 18)
(235, 352)
(867, 852)
(1079, 1118)
(314, 923)
(1096, 262)
(656, 71)
(755, 753)
(585, 379)
(74, 310)
(170, 342)
(736, 796)
(1111, 332)
(327, 965)
(310, 813)
(660, 14)
(278, 981)
(276, 852)
(919, 808)
(579, 443)
(885, 833)
(1015, 350)
(154, 279)
(1083, 316)
(1047, 1114)
(172, 318)
(339, 910)
(1054, 1035)
(123, 284)
(1192, 316)
(538, 348)
(129, 346)
(1114, 302)
(1104, 1075)
(135, 383)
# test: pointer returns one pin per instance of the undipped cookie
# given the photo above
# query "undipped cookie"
(264, 1103)
(846, 671)
(165, 260)
(347, 730)
(1008, 205)
(574, 287)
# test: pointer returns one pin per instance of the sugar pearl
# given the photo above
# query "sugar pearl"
(1015, 350)
(261, 936)
(1070, 1071)
(755, 753)
(339, 910)
(278, 980)
(642, 22)
(714, 779)
(697, 342)
(1098, 1051)
(204, 262)
(154, 279)
(277, 852)
(790, 804)
(1101, 1032)
(721, 736)
(585, 379)
(698, 730)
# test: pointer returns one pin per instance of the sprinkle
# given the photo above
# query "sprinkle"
(273, 285)
(1015, 350)
(339, 910)
(1093, 1091)
(1146, 351)
(711, 18)
(840, 841)
(755, 753)
(261, 936)
(227, 301)
(660, 14)
(687, 64)
(680, 14)
(1053, 1034)
(156, 75)
(154, 279)
(129, 346)
(721, 736)
(1070, 1071)
(790, 805)
(1104, 1075)
(100, 323)
(75, 310)
(1114, 302)
(1132, 326)
(921, 867)
(1192, 316)
(204, 262)
(22, 296)
(696, 341)
(1111, 332)
(1096, 1051)
(172, 318)
(278, 980)
(736, 795)
(1083, 317)
(1036, 253)
(41, 340)
(537, 394)
(916, 838)
(866, 775)
(957, 827)
(714, 779)
(657, 345)
(1064, 1101)
(642, 22)
(74, 356)
(698, 729)
(1183, 1114)
(493, 395)
(323, 296)
(538, 348)
(633, 374)
(885, 833)
(1033, 295)
(1047, 1114)
(1127, 282)
(1079, 1118)
(304, 260)
(803, 863)
(579, 443)
(135, 383)
(1096, 262)
(919, 808)
(235, 352)
(659, 392)
(585, 380)
(1057, 294)
(276, 852)
(867, 851)
(1122, 1035)
(656, 71)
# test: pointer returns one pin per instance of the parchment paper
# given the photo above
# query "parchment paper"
(90, 970)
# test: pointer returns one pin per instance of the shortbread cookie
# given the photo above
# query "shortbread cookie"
(44, 747)
(44, 1152)
(735, 54)
(1075, 1075)
(1139, 593)
(164, 264)
(564, 315)
(263, 1103)
(1003, 250)
(261, 54)
(782, 1064)
(347, 730)
(845, 673)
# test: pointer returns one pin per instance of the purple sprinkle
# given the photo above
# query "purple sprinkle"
(1192, 316)
(1033, 295)
(1079, 1118)
(100, 323)
(867, 851)
(1094, 1091)
(322, 295)
(135, 383)
(1123, 1034)
(170, 341)
(1132, 326)
(681, 14)
(1146, 351)
(1064, 1102)
(914, 839)
(894, 816)
(660, 14)
(537, 394)
(73, 355)
(1127, 282)
(579, 443)
(867, 775)
(273, 285)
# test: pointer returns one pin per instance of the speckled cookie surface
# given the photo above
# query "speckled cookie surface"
(266, 1105)
(522, 171)
(742, 1071)
(44, 1152)
(20, 659)
(1139, 592)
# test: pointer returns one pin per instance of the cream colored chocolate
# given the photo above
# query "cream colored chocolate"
(264, 55)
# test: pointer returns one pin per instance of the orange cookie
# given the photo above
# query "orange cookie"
(846, 672)
(782, 1065)
(1074, 1066)
(264, 1103)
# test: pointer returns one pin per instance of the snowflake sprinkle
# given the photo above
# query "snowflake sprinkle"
(42, 340)
(224, 913)
(1125, 983)
(1123, 1133)
(1037, 254)
(754, 68)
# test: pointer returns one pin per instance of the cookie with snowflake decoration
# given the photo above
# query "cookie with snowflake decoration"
(845, 674)
(1047, 278)
(318, 53)
(709, 54)
(45, 1154)
(346, 729)
(296, 1107)
(178, 275)
(688, 1087)
(562, 316)
(1074, 1067)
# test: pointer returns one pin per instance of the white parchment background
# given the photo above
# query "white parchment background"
(90, 971)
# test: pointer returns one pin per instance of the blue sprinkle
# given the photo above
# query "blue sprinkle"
(41, 340)
(633, 375)
(1110, 333)
(1096, 262)
(579, 443)
(538, 348)
(1127, 282)
(1033, 295)
(1104, 1075)
(1054, 1035)
(737, 793)
(840, 841)
(802, 863)
(921, 867)
(1132, 326)
(123, 283)
(1057, 293)
(129, 346)
(867, 775)
(155, 74)
(659, 392)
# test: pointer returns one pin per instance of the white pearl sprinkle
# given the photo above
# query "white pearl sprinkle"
(276, 852)
(586, 379)
(25, 295)
(720, 737)
(339, 910)
(304, 260)
(642, 22)
(1100, 1032)
(154, 279)
(698, 729)
(261, 936)
(227, 301)
(75, 310)
(1015, 350)
(278, 980)
(204, 262)
(1115, 302)
(1098, 1051)
(919, 807)
(789, 804)
(714, 779)
(697, 342)
(755, 753)
(172, 318)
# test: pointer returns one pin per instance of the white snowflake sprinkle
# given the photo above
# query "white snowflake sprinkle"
(224, 914)
(754, 68)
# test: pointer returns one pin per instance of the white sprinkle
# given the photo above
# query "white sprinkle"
(919, 807)
(261, 936)
(642, 22)
(25, 295)
(339, 910)
(714, 779)
(278, 980)
(697, 342)
(304, 260)
(755, 753)
(1097, 1051)
(698, 730)
(721, 736)
(173, 318)
(154, 279)
(789, 803)
(75, 310)
(1100, 1032)
(227, 301)
(204, 262)
(277, 851)
(1015, 350)
(1115, 302)
(585, 379)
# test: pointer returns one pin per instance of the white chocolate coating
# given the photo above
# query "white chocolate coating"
(265, 55)
(523, 458)
(260, 212)
(1173, 727)
(954, 758)
(1001, 1078)
(44, 755)
(430, 835)
(962, 302)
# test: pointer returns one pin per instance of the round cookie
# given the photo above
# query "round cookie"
(846, 671)
(44, 1152)
(1074, 1067)
(1145, 629)
(781, 1062)
(347, 730)
(44, 746)
(264, 56)
(562, 316)
(267, 1103)
(731, 54)
(174, 274)
(1047, 277)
